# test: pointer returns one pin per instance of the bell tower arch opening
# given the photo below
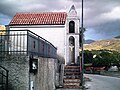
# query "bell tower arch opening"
(71, 27)
(72, 50)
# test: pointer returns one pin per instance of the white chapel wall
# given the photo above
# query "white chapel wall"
(55, 35)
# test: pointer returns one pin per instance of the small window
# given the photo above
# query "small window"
(33, 65)
(34, 44)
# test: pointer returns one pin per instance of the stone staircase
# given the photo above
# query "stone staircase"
(72, 77)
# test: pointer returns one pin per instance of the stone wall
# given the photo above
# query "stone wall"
(18, 66)
(46, 78)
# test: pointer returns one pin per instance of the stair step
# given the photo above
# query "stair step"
(72, 83)
(72, 73)
(71, 76)
(72, 67)
(71, 80)
(72, 87)
(72, 70)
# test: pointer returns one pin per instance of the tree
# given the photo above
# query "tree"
(88, 57)
(102, 58)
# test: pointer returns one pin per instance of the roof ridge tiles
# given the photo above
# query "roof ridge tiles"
(39, 18)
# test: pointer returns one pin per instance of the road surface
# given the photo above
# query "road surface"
(102, 82)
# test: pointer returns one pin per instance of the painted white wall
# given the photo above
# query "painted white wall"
(55, 35)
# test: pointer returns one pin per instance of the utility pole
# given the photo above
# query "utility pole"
(81, 43)
(82, 16)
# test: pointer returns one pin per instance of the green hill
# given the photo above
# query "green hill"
(112, 44)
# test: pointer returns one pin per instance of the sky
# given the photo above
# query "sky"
(101, 17)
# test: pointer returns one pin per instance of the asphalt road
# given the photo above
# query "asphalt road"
(102, 82)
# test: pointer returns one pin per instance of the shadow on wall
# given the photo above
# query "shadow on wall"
(60, 59)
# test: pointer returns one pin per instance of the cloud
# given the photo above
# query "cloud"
(102, 16)
(95, 11)
(113, 14)
(4, 19)
(110, 28)
(9, 8)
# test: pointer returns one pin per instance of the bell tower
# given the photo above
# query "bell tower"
(72, 37)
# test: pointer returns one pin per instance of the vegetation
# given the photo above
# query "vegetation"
(102, 58)
(102, 53)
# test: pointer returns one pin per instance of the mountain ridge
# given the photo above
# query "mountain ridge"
(110, 44)
(89, 41)
(117, 36)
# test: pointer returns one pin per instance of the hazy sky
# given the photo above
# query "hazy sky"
(101, 17)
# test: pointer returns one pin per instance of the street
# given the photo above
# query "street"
(102, 82)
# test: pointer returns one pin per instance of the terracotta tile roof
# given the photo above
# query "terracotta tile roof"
(45, 18)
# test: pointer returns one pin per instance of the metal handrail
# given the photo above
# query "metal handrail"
(11, 44)
(4, 68)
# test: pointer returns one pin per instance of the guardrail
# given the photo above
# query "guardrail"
(3, 78)
(25, 42)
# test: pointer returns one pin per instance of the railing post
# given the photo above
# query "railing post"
(2, 80)
(27, 41)
(7, 80)
(6, 76)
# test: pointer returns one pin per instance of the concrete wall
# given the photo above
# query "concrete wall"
(44, 79)
(48, 76)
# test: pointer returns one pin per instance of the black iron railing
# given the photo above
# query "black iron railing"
(3, 78)
(25, 42)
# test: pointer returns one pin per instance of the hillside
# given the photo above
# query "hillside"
(112, 44)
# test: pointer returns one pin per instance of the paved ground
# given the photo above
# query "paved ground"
(99, 82)
(103, 83)
(69, 89)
